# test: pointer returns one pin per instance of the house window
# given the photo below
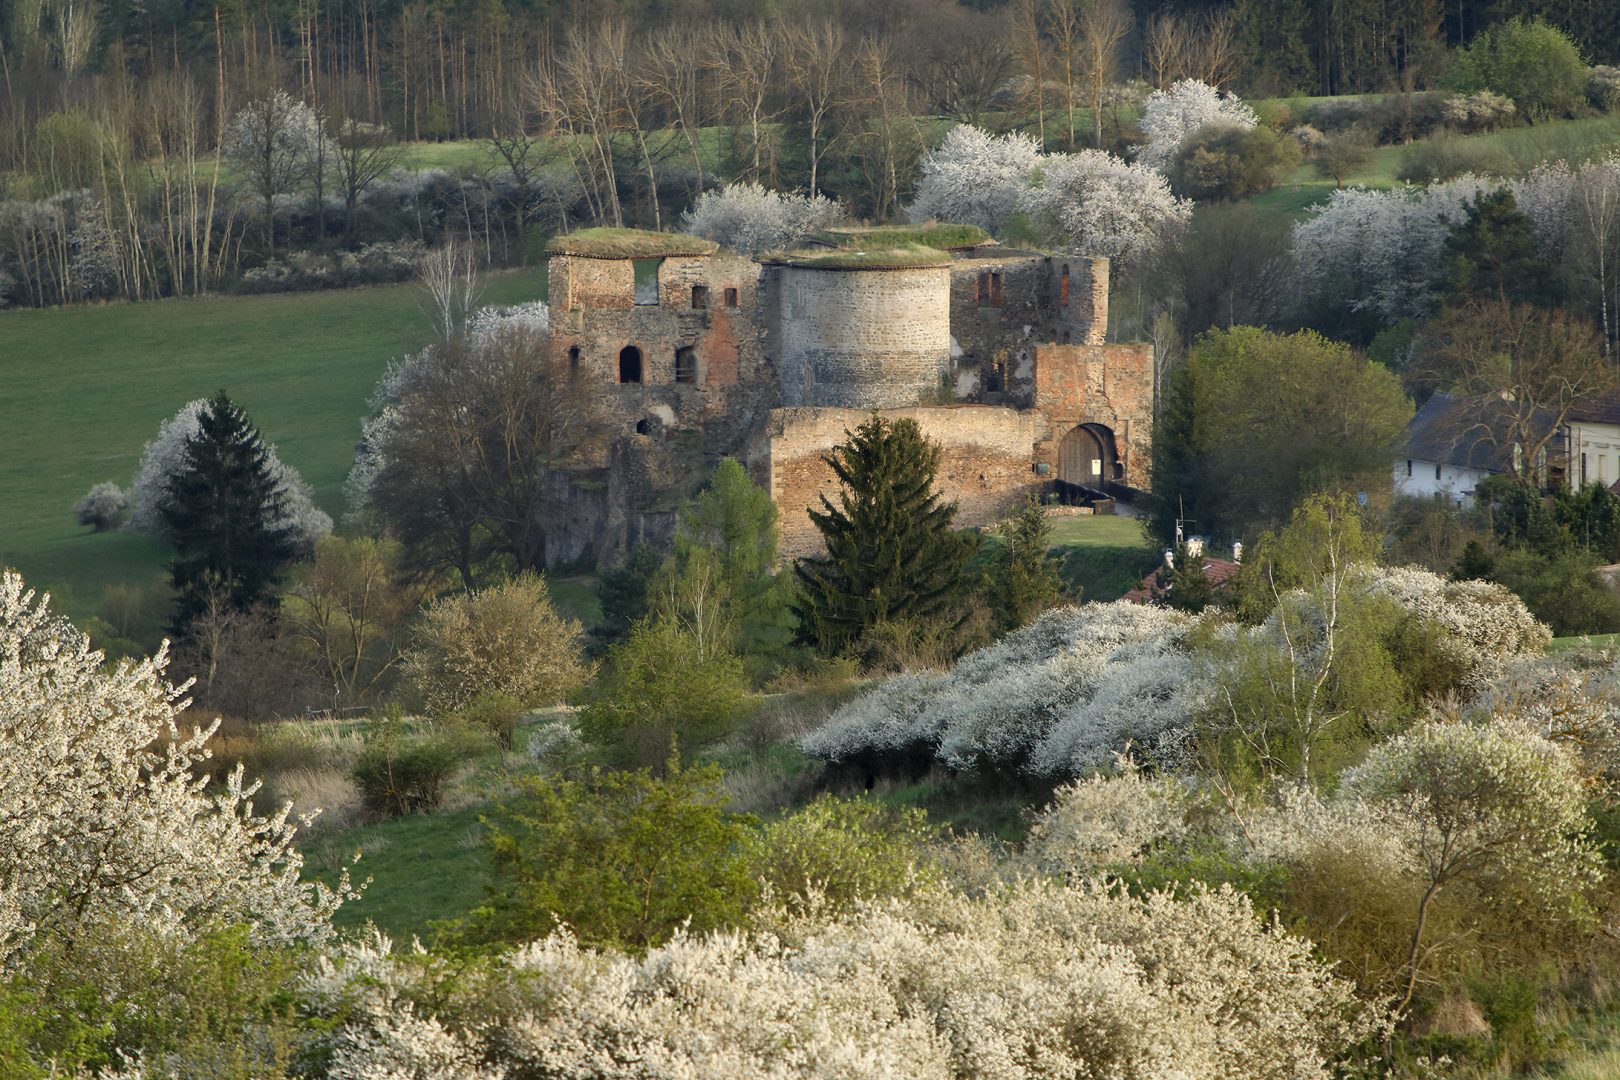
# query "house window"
(646, 281)
(1437, 469)
(731, 298)
(1583, 470)
(685, 364)
(700, 297)
(629, 364)
(1408, 468)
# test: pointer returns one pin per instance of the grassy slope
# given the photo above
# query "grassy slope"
(1105, 555)
(85, 387)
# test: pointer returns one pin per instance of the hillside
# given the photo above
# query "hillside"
(87, 386)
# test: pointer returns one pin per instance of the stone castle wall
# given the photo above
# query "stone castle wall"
(859, 338)
(1004, 303)
(1111, 385)
(986, 461)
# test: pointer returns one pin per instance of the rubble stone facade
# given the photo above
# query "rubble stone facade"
(998, 355)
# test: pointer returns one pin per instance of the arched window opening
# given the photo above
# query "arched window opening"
(1063, 286)
(573, 356)
(643, 426)
(629, 364)
(686, 364)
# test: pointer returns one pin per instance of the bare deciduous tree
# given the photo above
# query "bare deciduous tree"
(451, 287)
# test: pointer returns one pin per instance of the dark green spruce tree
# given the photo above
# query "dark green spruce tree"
(222, 510)
(892, 554)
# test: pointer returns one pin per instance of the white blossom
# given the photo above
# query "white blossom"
(750, 218)
(164, 455)
(1097, 204)
(1169, 116)
(1033, 980)
(1484, 624)
(1059, 697)
(105, 822)
(976, 178)
(1094, 823)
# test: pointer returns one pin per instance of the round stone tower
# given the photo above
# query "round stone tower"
(858, 329)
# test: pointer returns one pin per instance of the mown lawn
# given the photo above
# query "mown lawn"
(1105, 555)
(86, 387)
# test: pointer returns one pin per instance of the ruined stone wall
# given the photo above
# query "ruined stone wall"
(1110, 385)
(594, 316)
(986, 461)
(859, 338)
(1003, 303)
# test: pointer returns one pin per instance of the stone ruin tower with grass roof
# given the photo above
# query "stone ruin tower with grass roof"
(693, 353)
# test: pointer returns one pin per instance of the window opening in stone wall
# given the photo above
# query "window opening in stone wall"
(731, 298)
(629, 364)
(686, 364)
(646, 280)
(996, 296)
(643, 427)
(983, 294)
(700, 297)
(1063, 286)
(573, 356)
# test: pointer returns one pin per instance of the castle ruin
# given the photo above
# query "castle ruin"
(695, 353)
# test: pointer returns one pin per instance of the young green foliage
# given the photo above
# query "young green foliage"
(1024, 580)
(624, 859)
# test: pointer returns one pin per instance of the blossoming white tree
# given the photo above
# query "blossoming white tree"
(105, 824)
(750, 218)
(1098, 204)
(1169, 116)
(276, 141)
(975, 178)
(163, 457)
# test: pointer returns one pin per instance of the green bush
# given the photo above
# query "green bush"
(1232, 162)
(623, 859)
(1445, 157)
(663, 686)
(493, 714)
(842, 851)
(1566, 592)
(400, 774)
(1534, 64)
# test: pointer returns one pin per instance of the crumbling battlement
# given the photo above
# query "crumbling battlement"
(997, 353)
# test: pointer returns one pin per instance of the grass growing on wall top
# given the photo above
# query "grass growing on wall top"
(87, 386)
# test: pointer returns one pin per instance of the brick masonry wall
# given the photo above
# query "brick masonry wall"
(1110, 385)
(986, 461)
(593, 310)
(992, 343)
(860, 338)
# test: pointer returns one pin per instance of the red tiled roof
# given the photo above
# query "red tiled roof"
(1217, 571)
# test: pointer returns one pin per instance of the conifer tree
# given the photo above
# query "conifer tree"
(892, 554)
(1025, 581)
(222, 510)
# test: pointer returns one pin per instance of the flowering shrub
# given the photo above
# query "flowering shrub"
(105, 822)
(749, 218)
(1107, 820)
(975, 178)
(507, 639)
(1479, 111)
(102, 507)
(1484, 626)
(1034, 980)
(1171, 115)
(1060, 697)
(163, 457)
